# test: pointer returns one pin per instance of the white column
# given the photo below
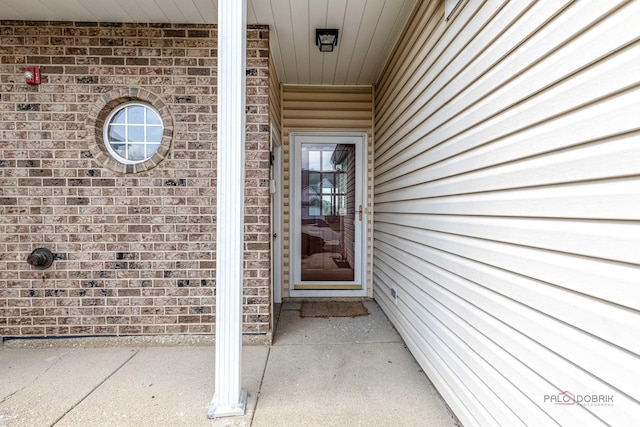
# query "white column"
(229, 399)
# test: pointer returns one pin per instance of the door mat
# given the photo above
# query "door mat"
(333, 309)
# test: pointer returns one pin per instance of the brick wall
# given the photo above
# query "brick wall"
(134, 249)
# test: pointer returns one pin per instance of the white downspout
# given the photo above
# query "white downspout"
(229, 399)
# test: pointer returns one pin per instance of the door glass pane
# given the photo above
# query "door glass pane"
(327, 184)
(313, 160)
(327, 164)
(327, 212)
(314, 183)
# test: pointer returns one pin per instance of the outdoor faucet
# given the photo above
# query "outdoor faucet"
(40, 258)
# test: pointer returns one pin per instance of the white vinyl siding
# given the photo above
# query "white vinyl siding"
(507, 200)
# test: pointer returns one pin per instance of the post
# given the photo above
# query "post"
(229, 399)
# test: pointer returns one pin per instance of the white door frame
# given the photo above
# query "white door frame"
(295, 141)
(276, 214)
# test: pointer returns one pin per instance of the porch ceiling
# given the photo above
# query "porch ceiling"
(368, 29)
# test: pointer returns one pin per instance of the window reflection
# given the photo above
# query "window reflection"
(134, 132)
(327, 212)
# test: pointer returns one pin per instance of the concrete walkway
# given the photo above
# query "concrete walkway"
(318, 372)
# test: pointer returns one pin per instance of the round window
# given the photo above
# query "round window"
(133, 132)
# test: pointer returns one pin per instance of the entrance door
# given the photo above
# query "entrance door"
(327, 231)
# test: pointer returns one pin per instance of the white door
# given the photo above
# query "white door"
(328, 177)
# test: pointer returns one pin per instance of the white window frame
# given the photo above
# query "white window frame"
(145, 143)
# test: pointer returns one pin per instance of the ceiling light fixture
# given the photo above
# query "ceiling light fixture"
(326, 39)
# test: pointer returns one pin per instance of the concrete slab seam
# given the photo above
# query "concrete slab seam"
(36, 378)
(264, 371)
(95, 388)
